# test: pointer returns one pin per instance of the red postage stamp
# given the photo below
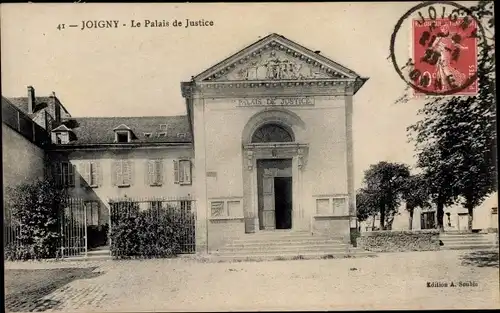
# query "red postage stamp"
(445, 55)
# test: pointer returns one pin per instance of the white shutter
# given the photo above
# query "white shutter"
(98, 173)
(176, 172)
(150, 173)
(182, 172)
(86, 172)
(127, 172)
(93, 173)
(187, 172)
(158, 172)
(117, 173)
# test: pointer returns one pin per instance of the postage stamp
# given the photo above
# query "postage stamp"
(444, 38)
(445, 55)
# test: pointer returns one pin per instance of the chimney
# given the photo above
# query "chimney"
(31, 99)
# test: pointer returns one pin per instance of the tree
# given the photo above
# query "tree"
(456, 139)
(384, 181)
(35, 207)
(366, 205)
(415, 193)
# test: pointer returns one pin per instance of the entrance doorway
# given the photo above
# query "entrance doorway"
(274, 193)
(283, 202)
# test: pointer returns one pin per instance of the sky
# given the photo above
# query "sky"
(128, 71)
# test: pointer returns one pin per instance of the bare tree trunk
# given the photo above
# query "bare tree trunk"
(382, 217)
(410, 221)
(388, 225)
(440, 214)
(373, 222)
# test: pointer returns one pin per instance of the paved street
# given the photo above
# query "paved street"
(389, 281)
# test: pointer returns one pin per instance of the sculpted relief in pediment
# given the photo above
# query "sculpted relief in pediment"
(277, 65)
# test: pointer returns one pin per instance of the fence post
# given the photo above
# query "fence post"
(85, 226)
(61, 221)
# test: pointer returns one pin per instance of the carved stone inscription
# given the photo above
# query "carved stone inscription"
(275, 101)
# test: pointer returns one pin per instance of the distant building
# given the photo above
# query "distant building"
(455, 218)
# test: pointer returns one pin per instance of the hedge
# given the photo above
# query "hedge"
(151, 233)
(399, 241)
(34, 208)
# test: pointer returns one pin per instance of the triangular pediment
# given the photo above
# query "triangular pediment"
(61, 128)
(275, 58)
(122, 127)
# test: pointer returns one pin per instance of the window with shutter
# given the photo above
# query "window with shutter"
(123, 173)
(71, 175)
(158, 172)
(126, 173)
(65, 174)
(155, 172)
(150, 172)
(117, 173)
(185, 172)
(86, 172)
(176, 171)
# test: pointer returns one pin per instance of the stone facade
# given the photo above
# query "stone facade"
(262, 85)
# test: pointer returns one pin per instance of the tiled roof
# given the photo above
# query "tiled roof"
(22, 103)
(100, 130)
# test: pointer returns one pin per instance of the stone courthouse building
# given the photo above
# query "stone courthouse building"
(267, 138)
(272, 130)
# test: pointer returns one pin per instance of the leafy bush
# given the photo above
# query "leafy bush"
(156, 232)
(399, 241)
(354, 237)
(35, 207)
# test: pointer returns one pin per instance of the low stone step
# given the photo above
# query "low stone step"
(280, 239)
(265, 247)
(284, 251)
(285, 242)
(89, 258)
(289, 256)
(471, 241)
(468, 247)
(463, 235)
(98, 252)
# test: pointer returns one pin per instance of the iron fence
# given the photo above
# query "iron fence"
(11, 228)
(75, 229)
(156, 208)
(73, 225)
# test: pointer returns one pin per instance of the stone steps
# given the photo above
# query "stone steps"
(284, 242)
(285, 249)
(289, 256)
(468, 247)
(466, 241)
(277, 245)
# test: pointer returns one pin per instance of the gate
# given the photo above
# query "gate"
(155, 208)
(73, 223)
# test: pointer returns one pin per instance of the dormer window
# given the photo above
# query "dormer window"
(61, 135)
(123, 134)
(122, 137)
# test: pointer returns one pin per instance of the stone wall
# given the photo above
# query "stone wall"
(399, 241)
